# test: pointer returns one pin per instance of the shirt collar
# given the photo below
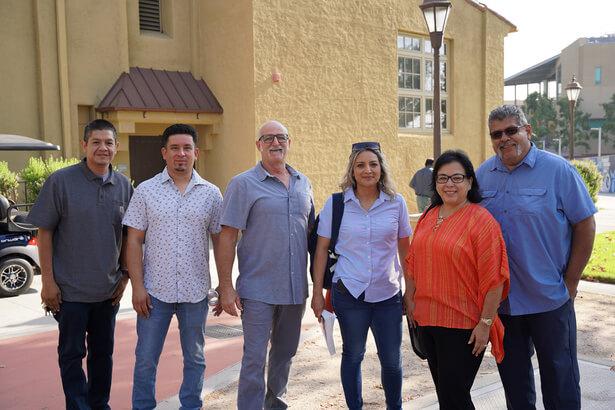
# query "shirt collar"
(529, 160)
(112, 178)
(262, 173)
(195, 179)
(350, 196)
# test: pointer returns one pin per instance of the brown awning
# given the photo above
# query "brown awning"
(146, 89)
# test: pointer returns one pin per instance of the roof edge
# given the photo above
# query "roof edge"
(483, 7)
(522, 72)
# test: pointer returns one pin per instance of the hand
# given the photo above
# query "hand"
(119, 290)
(217, 310)
(408, 305)
(230, 301)
(141, 301)
(572, 287)
(480, 338)
(318, 304)
(51, 297)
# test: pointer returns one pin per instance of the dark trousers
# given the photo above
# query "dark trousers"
(451, 362)
(554, 336)
(94, 323)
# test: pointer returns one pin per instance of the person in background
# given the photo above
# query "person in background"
(366, 283)
(421, 183)
(457, 274)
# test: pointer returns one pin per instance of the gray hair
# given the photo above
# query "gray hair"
(384, 184)
(506, 111)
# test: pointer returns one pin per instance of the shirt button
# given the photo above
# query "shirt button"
(507, 192)
(506, 211)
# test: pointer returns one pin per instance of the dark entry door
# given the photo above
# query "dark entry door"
(145, 158)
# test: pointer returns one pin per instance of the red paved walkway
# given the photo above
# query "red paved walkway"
(30, 378)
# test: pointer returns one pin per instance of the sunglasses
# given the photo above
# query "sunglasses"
(268, 138)
(510, 131)
(360, 146)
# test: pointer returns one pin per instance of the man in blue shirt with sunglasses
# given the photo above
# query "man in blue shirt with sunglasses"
(546, 215)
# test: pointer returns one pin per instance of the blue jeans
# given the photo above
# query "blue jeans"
(385, 320)
(151, 333)
(554, 336)
(94, 322)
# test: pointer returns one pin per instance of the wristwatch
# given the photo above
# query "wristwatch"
(486, 321)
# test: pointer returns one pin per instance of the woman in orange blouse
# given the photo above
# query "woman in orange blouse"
(457, 271)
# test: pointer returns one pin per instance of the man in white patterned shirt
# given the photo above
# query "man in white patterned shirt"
(173, 214)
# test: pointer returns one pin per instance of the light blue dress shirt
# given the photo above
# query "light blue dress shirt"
(272, 251)
(536, 205)
(367, 244)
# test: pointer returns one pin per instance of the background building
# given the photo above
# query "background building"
(335, 72)
(591, 60)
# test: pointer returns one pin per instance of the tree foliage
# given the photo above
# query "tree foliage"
(549, 119)
(608, 127)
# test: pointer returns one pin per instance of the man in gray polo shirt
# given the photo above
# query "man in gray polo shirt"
(421, 183)
(270, 204)
(79, 214)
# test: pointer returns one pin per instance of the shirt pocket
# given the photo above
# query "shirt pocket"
(303, 204)
(530, 201)
(489, 199)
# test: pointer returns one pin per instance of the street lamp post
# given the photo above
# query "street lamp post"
(436, 14)
(572, 91)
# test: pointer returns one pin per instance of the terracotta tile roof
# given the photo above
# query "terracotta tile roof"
(146, 89)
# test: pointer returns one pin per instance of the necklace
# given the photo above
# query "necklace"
(441, 218)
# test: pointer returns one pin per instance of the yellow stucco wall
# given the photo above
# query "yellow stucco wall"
(339, 70)
(338, 61)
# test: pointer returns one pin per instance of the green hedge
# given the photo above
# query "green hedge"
(37, 170)
(8, 181)
(591, 176)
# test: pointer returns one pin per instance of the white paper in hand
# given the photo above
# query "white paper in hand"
(326, 324)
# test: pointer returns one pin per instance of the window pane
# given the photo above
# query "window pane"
(416, 66)
(409, 73)
(428, 75)
(597, 75)
(417, 82)
(409, 112)
(408, 43)
(428, 113)
(443, 114)
(443, 75)
(429, 49)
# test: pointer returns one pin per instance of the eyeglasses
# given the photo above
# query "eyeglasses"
(360, 146)
(456, 178)
(510, 131)
(268, 138)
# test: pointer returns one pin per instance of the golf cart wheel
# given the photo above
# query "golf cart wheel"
(16, 276)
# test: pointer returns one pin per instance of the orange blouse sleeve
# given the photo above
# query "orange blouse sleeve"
(492, 264)
(492, 259)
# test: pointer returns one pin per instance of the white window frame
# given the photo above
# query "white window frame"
(424, 53)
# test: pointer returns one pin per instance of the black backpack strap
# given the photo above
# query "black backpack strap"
(336, 219)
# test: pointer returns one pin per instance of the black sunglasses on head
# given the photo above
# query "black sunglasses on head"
(360, 146)
(510, 131)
